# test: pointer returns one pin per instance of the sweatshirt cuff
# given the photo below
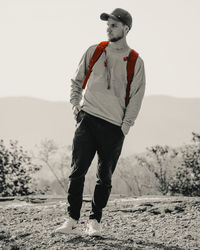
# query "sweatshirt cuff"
(125, 128)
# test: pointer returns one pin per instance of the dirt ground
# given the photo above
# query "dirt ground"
(128, 223)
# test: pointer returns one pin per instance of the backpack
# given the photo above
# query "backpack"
(131, 61)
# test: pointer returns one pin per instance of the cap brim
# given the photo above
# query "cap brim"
(105, 16)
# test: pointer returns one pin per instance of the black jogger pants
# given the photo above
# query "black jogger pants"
(93, 135)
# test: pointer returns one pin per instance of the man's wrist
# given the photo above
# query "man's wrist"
(125, 128)
(76, 109)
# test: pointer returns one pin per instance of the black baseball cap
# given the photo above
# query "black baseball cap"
(120, 15)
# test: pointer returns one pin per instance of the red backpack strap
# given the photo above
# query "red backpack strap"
(97, 53)
(132, 58)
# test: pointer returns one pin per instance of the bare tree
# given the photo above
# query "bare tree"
(56, 159)
(158, 160)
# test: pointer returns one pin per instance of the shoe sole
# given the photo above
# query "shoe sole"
(74, 231)
(93, 234)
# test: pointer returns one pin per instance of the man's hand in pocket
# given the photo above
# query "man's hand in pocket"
(76, 109)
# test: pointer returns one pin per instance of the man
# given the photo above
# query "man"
(103, 120)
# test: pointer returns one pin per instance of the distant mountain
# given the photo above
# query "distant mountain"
(162, 120)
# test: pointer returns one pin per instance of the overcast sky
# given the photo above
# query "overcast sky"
(42, 42)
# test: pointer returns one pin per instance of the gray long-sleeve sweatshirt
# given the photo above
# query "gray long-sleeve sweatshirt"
(105, 93)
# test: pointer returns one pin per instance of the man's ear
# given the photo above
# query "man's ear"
(126, 28)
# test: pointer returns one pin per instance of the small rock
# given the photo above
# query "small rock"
(147, 204)
(168, 210)
(5, 235)
(14, 247)
(179, 209)
(155, 211)
(189, 237)
(144, 219)
(162, 215)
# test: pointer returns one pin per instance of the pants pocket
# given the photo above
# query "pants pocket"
(80, 116)
(121, 132)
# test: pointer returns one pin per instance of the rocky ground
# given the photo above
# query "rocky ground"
(128, 223)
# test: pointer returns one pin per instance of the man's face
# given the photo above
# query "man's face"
(115, 30)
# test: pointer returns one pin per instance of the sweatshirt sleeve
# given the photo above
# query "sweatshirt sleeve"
(136, 96)
(79, 76)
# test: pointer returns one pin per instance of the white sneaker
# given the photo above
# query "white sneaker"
(68, 227)
(93, 228)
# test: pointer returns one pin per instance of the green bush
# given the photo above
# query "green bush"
(16, 171)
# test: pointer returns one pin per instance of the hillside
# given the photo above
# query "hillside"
(162, 120)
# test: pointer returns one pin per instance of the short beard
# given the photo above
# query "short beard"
(115, 39)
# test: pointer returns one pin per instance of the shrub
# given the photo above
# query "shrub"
(160, 160)
(177, 170)
(187, 178)
(16, 171)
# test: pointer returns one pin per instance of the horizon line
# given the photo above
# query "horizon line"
(50, 100)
